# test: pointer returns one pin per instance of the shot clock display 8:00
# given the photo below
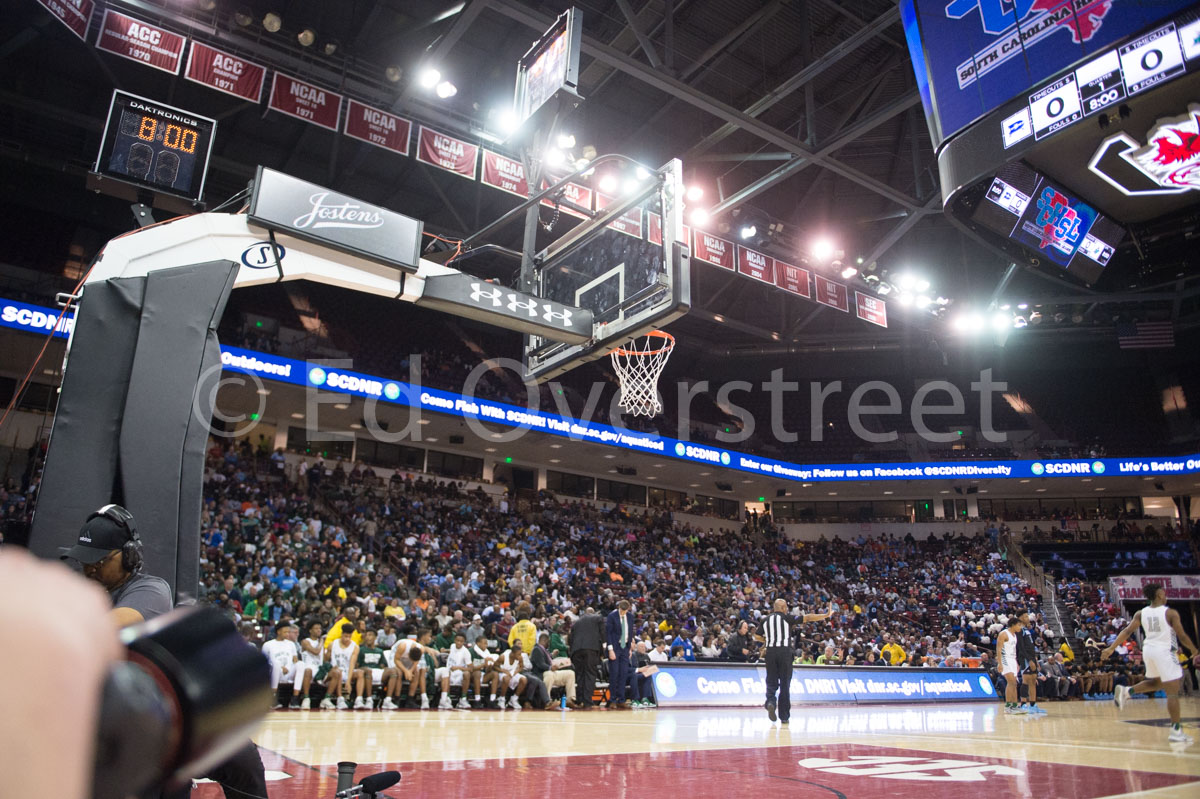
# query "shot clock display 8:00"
(162, 148)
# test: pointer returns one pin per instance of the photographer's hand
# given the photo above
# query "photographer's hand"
(49, 726)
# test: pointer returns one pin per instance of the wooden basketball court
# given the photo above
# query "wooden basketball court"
(1080, 750)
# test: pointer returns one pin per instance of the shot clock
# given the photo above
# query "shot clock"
(156, 146)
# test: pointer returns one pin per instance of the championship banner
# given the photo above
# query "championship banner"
(1128, 588)
(141, 42)
(629, 223)
(504, 173)
(572, 193)
(448, 153)
(224, 72)
(377, 127)
(654, 228)
(832, 294)
(756, 265)
(713, 250)
(302, 100)
(870, 309)
(792, 278)
(75, 14)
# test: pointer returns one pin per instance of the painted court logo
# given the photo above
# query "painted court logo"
(922, 769)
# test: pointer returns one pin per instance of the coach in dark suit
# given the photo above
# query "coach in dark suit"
(585, 643)
(618, 630)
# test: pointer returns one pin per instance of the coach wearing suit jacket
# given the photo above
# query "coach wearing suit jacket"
(585, 643)
(618, 629)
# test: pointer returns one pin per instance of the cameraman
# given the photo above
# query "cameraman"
(110, 551)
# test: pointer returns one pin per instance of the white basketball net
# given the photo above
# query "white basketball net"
(638, 364)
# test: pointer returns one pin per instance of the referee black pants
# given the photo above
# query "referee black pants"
(779, 679)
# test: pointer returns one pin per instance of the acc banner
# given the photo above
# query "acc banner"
(140, 41)
(738, 685)
(713, 250)
(870, 309)
(302, 100)
(224, 72)
(832, 294)
(629, 223)
(504, 173)
(75, 14)
(448, 153)
(756, 265)
(377, 127)
(792, 278)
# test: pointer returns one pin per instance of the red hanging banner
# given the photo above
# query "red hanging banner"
(629, 223)
(448, 153)
(302, 100)
(504, 173)
(377, 127)
(792, 278)
(713, 250)
(756, 265)
(75, 14)
(654, 228)
(832, 294)
(225, 73)
(141, 42)
(870, 309)
(572, 193)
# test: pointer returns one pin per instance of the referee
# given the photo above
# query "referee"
(777, 632)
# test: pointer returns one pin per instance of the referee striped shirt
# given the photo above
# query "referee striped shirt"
(777, 629)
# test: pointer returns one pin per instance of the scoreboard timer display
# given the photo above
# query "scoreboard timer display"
(156, 146)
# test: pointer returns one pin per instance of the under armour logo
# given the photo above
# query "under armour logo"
(515, 305)
(478, 294)
(563, 317)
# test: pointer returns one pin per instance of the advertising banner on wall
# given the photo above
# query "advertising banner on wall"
(1128, 588)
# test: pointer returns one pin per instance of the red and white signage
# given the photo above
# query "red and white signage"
(832, 294)
(792, 278)
(713, 250)
(654, 228)
(572, 193)
(448, 153)
(504, 173)
(75, 14)
(302, 100)
(756, 265)
(629, 223)
(687, 234)
(870, 309)
(377, 127)
(1178, 586)
(142, 42)
(224, 72)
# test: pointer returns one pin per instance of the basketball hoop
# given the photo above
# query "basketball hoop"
(638, 364)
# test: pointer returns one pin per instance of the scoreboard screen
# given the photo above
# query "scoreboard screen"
(1045, 218)
(550, 66)
(156, 146)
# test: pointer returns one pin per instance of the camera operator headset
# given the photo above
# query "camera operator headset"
(110, 551)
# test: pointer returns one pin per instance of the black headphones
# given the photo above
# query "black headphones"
(131, 550)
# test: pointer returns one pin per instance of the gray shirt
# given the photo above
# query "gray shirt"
(145, 593)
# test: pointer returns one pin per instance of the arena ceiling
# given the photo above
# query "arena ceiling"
(804, 111)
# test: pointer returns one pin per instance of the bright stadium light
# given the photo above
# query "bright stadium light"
(429, 78)
(700, 217)
(566, 140)
(642, 173)
(630, 186)
(921, 284)
(822, 249)
(507, 120)
(924, 301)
(446, 90)
(849, 272)
(907, 282)
(905, 299)
(748, 231)
(695, 193)
(555, 157)
(608, 184)
(1001, 321)
(1019, 322)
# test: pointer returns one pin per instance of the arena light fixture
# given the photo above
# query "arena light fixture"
(700, 217)
(748, 231)
(630, 186)
(507, 120)
(1020, 322)
(921, 284)
(206, 5)
(330, 46)
(849, 272)
(608, 184)
(905, 299)
(906, 282)
(272, 22)
(566, 140)
(1001, 321)
(822, 249)
(924, 301)
(695, 193)
(642, 173)
(429, 78)
(393, 74)
(1023, 306)
(555, 157)
(307, 37)
(446, 90)
(243, 17)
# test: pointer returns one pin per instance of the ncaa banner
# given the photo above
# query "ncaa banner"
(75, 14)
(448, 153)
(832, 294)
(225, 72)
(713, 250)
(629, 223)
(301, 100)
(504, 173)
(792, 279)
(377, 127)
(654, 228)
(140, 41)
(756, 265)
(870, 309)
(572, 193)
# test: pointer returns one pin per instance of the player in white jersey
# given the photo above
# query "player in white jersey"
(458, 667)
(343, 657)
(1161, 630)
(408, 656)
(284, 657)
(312, 654)
(1006, 656)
